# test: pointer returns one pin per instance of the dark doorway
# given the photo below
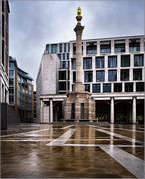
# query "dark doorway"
(103, 111)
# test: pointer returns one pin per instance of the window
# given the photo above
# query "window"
(62, 75)
(74, 76)
(112, 62)
(11, 65)
(87, 87)
(68, 47)
(87, 63)
(88, 76)
(96, 88)
(11, 90)
(117, 87)
(91, 49)
(11, 99)
(11, 82)
(137, 74)
(134, 46)
(59, 56)
(73, 110)
(73, 64)
(100, 75)
(11, 73)
(99, 62)
(64, 64)
(125, 75)
(63, 56)
(62, 85)
(138, 60)
(67, 56)
(64, 47)
(125, 61)
(128, 87)
(60, 48)
(119, 48)
(112, 75)
(74, 50)
(106, 48)
(53, 48)
(82, 111)
(106, 88)
(139, 86)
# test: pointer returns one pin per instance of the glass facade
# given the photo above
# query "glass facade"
(87, 87)
(54, 48)
(112, 62)
(137, 74)
(117, 87)
(106, 48)
(134, 46)
(125, 75)
(125, 61)
(128, 87)
(73, 64)
(96, 88)
(91, 49)
(140, 86)
(100, 76)
(88, 77)
(64, 64)
(138, 60)
(107, 88)
(87, 63)
(99, 62)
(112, 75)
(62, 85)
(119, 48)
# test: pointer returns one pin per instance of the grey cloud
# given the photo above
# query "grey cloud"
(33, 24)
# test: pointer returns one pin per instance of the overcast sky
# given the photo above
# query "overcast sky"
(33, 24)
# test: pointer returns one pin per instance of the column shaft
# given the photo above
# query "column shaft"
(134, 111)
(41, 111)
(51, 111)
(112, 111)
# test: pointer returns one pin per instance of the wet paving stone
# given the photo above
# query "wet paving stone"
(72, 151)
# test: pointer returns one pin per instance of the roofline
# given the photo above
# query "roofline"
(106, 38)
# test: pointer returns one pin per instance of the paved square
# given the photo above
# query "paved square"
(83, 150)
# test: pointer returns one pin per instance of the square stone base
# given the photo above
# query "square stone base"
(77, 99)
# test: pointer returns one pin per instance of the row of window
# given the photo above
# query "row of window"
(106, 48)
(63, 56)
(112, 75)
(96, 88)
(58, 48)
(112, 62)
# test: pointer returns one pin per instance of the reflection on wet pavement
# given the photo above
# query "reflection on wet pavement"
(73, 150)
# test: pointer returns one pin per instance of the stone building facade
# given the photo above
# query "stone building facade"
(20, 92)
(113, 72)
(4, 51)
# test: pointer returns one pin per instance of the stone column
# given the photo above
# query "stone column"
(112, 111)
(51, 111)
(41, 111)
(134, 110)
(79, 62)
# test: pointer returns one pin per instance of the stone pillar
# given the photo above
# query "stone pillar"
(134, 110)
(41, 111)
(79, 62)
(112, 111)
(51, 111)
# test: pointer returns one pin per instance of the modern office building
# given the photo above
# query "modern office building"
(4, 51)
(20, 91)
(113, 72)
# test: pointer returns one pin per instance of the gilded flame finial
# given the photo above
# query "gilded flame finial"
(79, 17)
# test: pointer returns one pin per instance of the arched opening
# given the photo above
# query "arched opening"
(103, 111)
(123, 112)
